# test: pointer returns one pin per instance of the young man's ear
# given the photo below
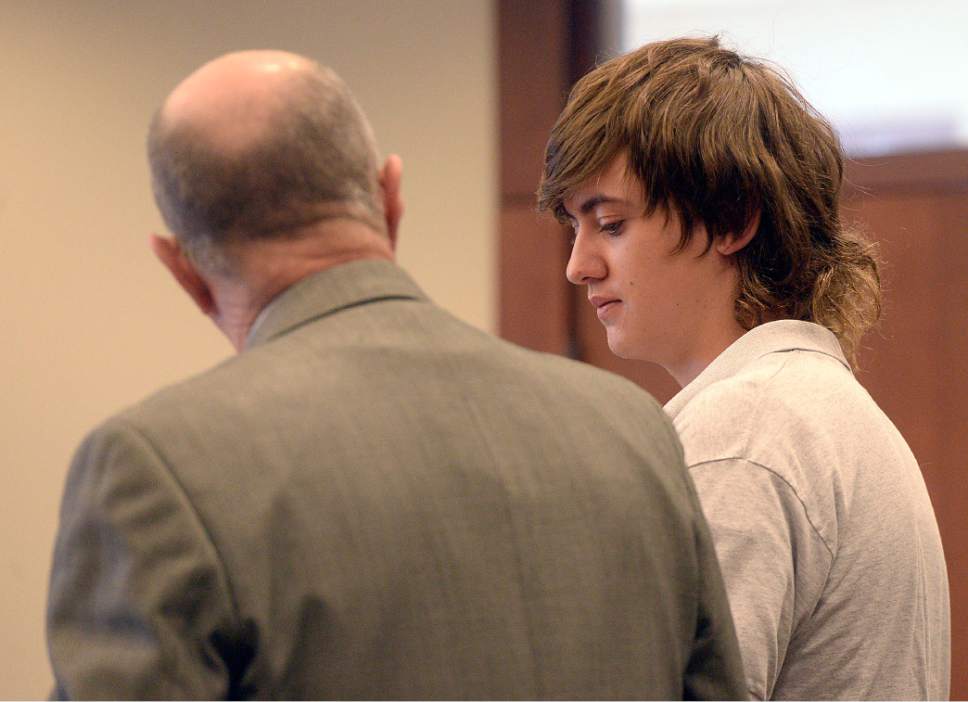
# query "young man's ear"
(390, 176)
(731, 243)
(169, 252)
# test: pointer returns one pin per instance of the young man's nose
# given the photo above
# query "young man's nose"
(584, 264)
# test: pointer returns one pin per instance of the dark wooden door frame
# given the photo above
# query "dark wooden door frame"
(543, 47)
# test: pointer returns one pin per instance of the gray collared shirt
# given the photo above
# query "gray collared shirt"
(822, 523)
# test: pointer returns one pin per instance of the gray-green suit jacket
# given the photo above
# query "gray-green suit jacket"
(377, 500)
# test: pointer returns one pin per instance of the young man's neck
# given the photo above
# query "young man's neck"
(708, 348)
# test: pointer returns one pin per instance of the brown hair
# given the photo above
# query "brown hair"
(720, 139)
(315, 158)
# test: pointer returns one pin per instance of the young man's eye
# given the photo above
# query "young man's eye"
(613, 228)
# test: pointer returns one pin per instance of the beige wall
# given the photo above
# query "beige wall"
(90, 322)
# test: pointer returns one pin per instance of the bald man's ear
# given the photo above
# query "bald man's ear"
(731, 243)
(390, 176)
(169, 252)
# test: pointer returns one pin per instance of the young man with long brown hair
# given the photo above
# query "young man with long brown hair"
(704, 192)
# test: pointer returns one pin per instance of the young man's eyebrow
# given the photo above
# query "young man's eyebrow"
(599, 199)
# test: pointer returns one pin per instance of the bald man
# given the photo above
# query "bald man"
(372, 499)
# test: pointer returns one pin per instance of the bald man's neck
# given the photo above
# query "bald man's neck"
(265, 268)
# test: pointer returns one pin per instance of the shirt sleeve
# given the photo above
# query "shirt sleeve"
(771, 558)
(715, 670)
(139, 606)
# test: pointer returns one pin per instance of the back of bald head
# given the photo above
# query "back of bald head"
(260, 145)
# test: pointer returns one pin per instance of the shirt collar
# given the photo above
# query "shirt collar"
(331, 290)
(772, 337)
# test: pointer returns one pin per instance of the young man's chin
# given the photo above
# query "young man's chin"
(618, 346)
(628, 350)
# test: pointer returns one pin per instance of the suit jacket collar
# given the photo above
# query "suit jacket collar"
(772, 337)
(329, 291)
